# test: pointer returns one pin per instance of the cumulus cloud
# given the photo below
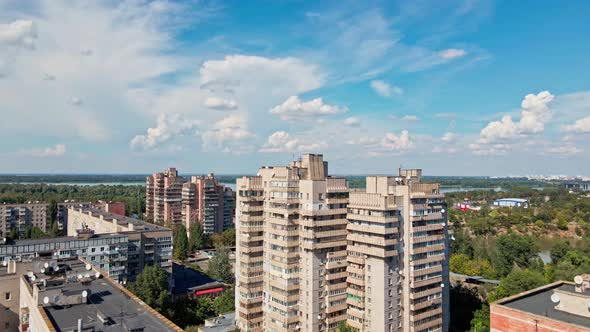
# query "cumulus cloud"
(497, 136)
(449, 137)
(19, 33)
(352, 121)
(395, 142)
(281, 141)
(452, 53)
(581, 126)
(295, 108)
(168, 126)
(53, 151)
(220, 104)
(251, 73)
(229, 134)
(384, 89)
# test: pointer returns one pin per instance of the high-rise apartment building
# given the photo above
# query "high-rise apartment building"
(206, 200)
(164, 197)
(398, 255)
(21, 216)
(291, 248)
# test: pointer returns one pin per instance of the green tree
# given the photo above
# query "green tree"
(517, 281)
(151, 286)
(463, 301)
(343, 327)
(228, 237)
(558, 251)
(481, 319)
(513, 249)
(197, 239)
(225, 302)
(220, 267)
(180, 243)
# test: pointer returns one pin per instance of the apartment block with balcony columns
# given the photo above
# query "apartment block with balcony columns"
(291, 245)
(164, 197)
(398, 255)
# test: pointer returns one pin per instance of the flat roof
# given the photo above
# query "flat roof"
(522, 200)
(123, 312)
(538, 302)
(123, 219)
(187, 279)
(63, 239)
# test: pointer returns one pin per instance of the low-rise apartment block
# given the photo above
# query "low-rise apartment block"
(62, 212)
(148, 244)
(22, 216)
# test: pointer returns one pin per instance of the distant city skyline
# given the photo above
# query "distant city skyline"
(460, 87)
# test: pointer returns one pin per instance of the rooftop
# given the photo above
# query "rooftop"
(538, 302)
(521, 200)
(61, 239)
(188, 280)
(121, 220)
(105, 305)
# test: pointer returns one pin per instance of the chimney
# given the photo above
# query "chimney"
(79, 324)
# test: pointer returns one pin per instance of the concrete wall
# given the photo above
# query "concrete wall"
(37, 321)
(77, 218)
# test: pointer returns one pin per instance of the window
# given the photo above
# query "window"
(7, 296)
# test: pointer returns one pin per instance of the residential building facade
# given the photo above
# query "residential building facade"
(62, 213)
(22, 216)
(398, 276)
(206, 200)
(148, 244)
(164, 197)
(291, 248)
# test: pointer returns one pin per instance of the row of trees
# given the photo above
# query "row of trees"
(183, 245)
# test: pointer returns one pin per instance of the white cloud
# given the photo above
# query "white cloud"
(394, 142)
(280, 76)
(384, 89)
(452, 53)
(230, 134)
(352, 121)
(449, 137)
(581, 126)
(295, 108)
(220, 104)
(20, 33)
(563, 150)
(282, 141)
(410, 117)
(168, 126)
(54, 151)
(76, 101)
(498, 136)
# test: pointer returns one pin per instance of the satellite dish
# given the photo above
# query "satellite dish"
(578, 280)
(30, 274)
(4, 263)
(46, 265)
(84, 293)
(88, 267)
(56, 268)
(555, 298)
(33, 278)
(87, 275)
(42, 270)
(55, 299)
(442, 285)
(97, 275)
(443, 210)
(46, 300)
(80, 276)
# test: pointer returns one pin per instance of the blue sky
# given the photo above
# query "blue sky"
(458, 87)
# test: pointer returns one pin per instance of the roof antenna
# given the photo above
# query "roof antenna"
(400, 170)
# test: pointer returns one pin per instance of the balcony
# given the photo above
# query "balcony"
(371, 229)
(426, 314)
(421, 250)
(429, 270)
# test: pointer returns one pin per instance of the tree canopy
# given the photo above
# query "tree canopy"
(151, 286)
(220, 267)
(180, 243)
